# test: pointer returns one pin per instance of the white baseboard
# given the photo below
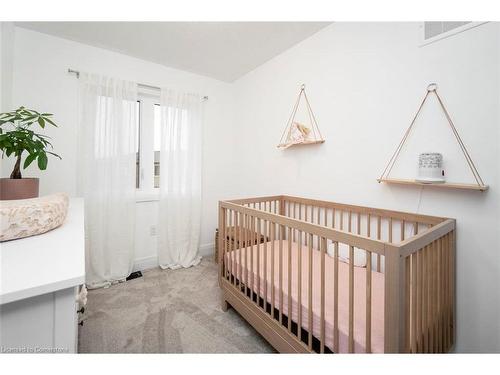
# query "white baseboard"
(146, 263)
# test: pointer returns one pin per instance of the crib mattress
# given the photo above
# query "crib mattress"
(260, 279)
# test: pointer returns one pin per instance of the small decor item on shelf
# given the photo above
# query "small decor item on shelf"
(299, 133)
(296, 133)
(430, 168)
(16, 139)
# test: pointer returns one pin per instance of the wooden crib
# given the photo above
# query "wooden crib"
(303, 291)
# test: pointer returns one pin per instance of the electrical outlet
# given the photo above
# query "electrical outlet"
(152, 230)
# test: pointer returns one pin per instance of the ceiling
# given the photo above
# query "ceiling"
(221, 50)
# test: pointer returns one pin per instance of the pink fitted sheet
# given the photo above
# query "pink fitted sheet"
(377, 306)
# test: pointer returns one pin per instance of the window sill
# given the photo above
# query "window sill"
(147, 196)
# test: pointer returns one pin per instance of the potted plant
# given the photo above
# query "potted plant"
(16, 139)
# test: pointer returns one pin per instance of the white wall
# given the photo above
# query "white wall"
(365, 82)
(6, 63)
(40, 81)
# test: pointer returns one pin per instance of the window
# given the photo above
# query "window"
(432, 31)
(148, 148)
(149, 145)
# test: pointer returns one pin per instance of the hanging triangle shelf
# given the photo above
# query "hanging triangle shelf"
(384, 177)
(299, 134)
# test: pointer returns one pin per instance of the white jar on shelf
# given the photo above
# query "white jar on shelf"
(430, 168)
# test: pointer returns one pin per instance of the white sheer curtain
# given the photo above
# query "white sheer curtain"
(107, 157)
(179, 216)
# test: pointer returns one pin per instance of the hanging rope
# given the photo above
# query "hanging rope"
(432, 89)
(285, 136)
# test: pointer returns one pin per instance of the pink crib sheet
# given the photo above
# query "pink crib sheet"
(377, 308)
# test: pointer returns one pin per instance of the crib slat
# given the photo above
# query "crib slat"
(441, 320)
(432, 288)
(240, 253)
(368, 226)
(430, 291)
(452, 308)
(322, 289)
(434, 296)
(368, 337)
(407, 302)
(390, 229)
(252, 244)
(273, 236)
(425, 304)
(306, 238)
(359, 223)
(336, 297)
(379, 234)
(439, 325)
(309, 286)
(224, 222)
(439, 298)
(265, 264)
(299, 286)
(448, 291)
(420, 287)
(435, 308)
(349, 225)
(448, 277)
(228, 246)
(258, 235)
(280, 272)
(289, 258)
(351, 299)
(333, 218)
(294, 216)
(237, 246)
(414, 302)
(245, 255)
(425, 293)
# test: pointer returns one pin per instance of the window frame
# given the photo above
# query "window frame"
(457, 30)
(146, 190)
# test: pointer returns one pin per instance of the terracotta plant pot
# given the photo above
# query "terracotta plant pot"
(18, 188)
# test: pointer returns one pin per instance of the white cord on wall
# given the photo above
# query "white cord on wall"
(419, 199)
(418, 205)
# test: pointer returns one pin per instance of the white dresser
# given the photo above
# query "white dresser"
(39, 280)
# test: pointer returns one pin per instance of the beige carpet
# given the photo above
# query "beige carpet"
(166, 311)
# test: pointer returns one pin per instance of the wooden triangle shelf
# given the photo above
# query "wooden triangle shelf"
(478, 186)
(306, 136)
(285, 145)
(444, 185)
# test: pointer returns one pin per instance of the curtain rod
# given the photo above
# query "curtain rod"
(77, 74)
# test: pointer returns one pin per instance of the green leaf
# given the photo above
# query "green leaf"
(41, 121)
(29, 160)
(42, 161)
(57, 156)
(50, 122)
(30, 117)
